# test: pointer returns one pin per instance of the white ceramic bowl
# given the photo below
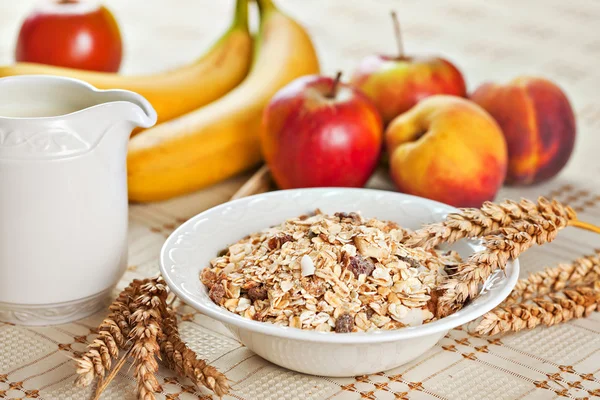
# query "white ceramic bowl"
(190, 248)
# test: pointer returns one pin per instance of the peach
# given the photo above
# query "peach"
(447, 149)
(538, 123)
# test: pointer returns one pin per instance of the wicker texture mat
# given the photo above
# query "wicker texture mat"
(492, 40)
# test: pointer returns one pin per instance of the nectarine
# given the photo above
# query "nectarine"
(447, 149)
(538, 123)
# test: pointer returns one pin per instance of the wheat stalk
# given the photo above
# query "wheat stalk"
(555, 308)
(183, 360)
(468, 223)
(583, 271)
(143, 322)
(473, 222)
(540, 225)
(112, 336)
(146, 321)
(466, 282)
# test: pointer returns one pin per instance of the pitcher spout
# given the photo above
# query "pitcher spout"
(115, 116)
(128, 106)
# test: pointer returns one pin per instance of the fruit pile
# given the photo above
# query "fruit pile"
(439, 143)
(251, 98)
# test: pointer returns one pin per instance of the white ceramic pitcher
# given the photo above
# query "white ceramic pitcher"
(63, 195)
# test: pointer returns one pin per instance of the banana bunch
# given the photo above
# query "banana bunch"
(221, 139)
(209, 111)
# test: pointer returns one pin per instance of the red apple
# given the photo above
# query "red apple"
(70, 33)
(317, 131)
(397, 83)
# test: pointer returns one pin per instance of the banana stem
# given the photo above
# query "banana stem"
(584, 225)
(265, 6)
(240, 19)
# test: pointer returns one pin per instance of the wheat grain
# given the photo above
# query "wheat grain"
(184, 361)
(146, 320)
(555, 308)
(540, 224)
(112, 336)
(583, 271)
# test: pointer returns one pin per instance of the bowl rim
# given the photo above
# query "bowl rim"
(463, 316)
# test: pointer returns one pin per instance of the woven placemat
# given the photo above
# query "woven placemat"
(497, 40)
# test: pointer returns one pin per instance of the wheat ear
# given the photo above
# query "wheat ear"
(540, 226)
(583, 271)
(555, 308)
(112, 336)
(180, 358)
(469, 223)
(146, 321)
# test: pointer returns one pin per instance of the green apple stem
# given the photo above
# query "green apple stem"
(398, 33)
(584, 225)
(335, 85)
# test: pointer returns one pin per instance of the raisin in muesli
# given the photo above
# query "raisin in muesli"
(360, 265)
(208, 277)
(258, 293)
(277, 241)
(344, 323)
(217, 292)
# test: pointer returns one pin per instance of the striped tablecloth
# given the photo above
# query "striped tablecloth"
(492, 40)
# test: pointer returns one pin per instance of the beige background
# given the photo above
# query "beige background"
(491, 40)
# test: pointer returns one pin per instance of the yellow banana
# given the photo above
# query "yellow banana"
(222, 138)
(178, 91)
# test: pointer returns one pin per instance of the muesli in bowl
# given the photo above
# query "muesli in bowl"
(329, 272)
(193, 247)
